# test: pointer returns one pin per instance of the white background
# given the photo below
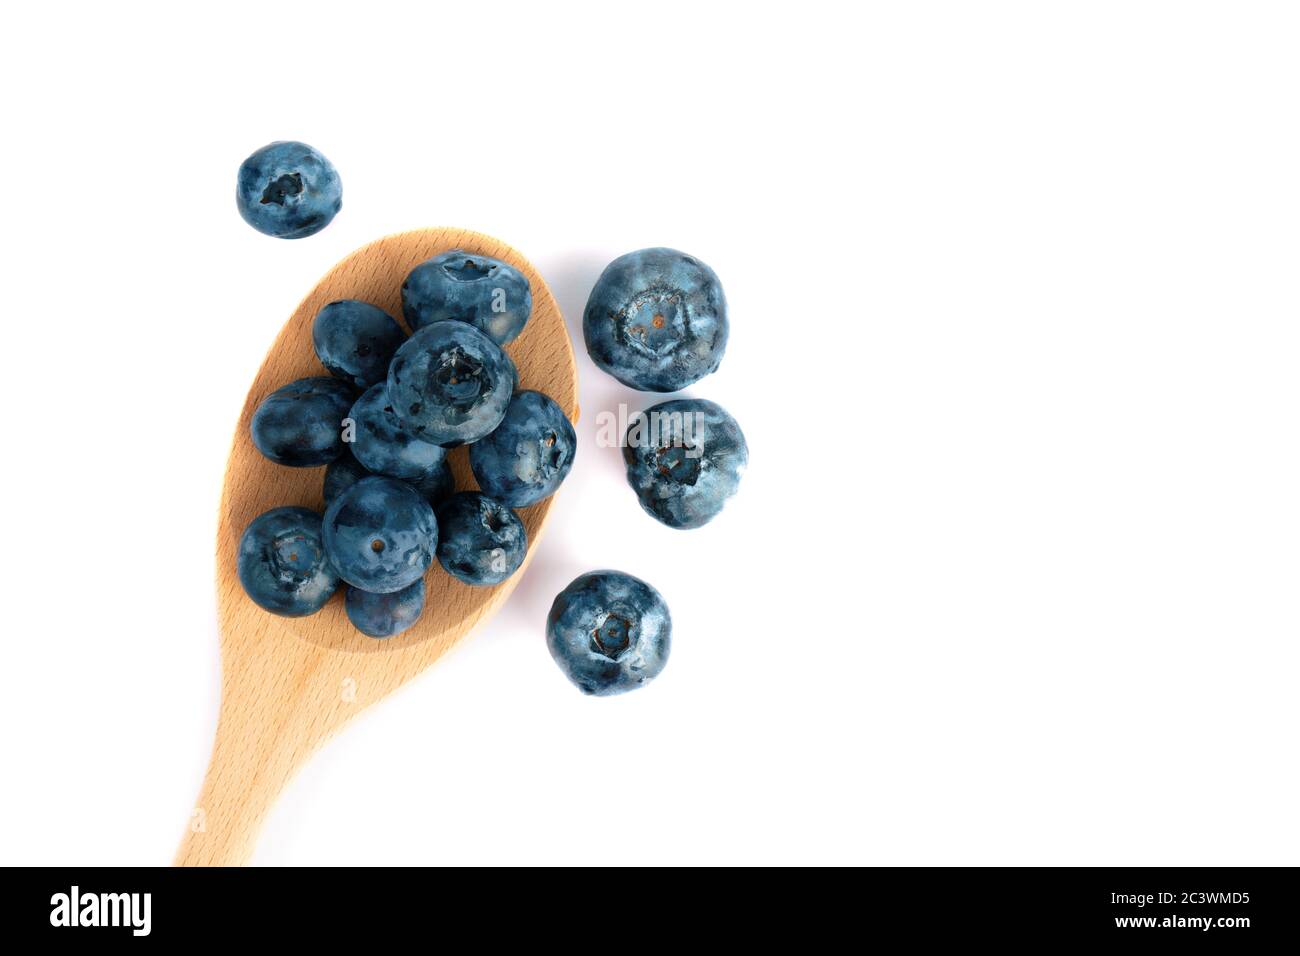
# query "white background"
(1011, 579)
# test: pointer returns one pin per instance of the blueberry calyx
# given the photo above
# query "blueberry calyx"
(677, 464)
(615, 632)
(458, 378)
(468, 271)
(292, 556)
(654, 323)
(278, 190)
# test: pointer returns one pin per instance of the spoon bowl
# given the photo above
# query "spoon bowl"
(289, 683)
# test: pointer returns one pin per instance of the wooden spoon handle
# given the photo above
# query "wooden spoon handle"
(241, 783)
(274, 714)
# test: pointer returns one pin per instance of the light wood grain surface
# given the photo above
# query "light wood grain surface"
(289, 683)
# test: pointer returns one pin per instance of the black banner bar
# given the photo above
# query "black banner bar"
(1223, 907)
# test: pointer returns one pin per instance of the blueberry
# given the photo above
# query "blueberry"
(480, 540)
(487, 293)
(450, 384)
(282, 562)
(438, 487)
(684, 460)
(656, 320)
(384, 615)
(288, 190)
(528, 455)
(609, 632)
(355, 341)
(380, 535)
(343, 472)
(301, 424)
(383, 446)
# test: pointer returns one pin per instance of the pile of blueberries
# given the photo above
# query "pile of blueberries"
(393, 405)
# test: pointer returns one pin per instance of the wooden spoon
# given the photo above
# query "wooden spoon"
(289, 683)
